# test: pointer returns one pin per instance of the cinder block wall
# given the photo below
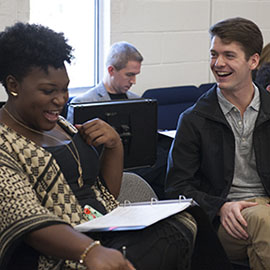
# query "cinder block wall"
(172, 35)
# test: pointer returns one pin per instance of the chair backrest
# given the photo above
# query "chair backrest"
(135, 189)
(65, 109)
(172, 101)
(205, 87)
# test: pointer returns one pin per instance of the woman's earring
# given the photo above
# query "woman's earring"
(14, 94)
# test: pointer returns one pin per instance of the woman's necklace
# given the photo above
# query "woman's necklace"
(76, 157)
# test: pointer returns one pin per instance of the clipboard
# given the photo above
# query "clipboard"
(136, 216)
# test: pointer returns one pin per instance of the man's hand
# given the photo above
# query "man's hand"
(232, 219)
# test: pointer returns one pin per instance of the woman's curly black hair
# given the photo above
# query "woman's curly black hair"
(24, 46)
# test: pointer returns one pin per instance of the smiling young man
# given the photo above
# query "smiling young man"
(221, 150)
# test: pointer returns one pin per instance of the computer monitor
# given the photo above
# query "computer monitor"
(134, 119)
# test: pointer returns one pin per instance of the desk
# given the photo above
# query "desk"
(169, 133)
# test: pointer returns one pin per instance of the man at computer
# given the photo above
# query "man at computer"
(123, 64)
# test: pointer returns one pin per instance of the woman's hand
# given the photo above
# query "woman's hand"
(102, 258)
(96, 132)
(62, 241)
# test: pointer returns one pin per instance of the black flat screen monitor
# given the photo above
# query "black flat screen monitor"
(134, 119)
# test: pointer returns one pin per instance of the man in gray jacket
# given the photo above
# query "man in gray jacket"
(123, 64)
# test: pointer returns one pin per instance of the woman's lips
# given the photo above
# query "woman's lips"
(52, 116)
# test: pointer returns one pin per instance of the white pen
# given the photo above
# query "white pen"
(124, 251)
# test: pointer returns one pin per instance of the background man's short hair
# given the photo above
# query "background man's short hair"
(122, 52)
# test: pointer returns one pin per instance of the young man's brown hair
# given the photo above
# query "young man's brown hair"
(240, 30)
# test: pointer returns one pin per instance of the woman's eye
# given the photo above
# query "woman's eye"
(47, 91)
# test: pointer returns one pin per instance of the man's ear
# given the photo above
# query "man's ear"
(268, 87)
(12, 85)
(254, 61)
(111, 70)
